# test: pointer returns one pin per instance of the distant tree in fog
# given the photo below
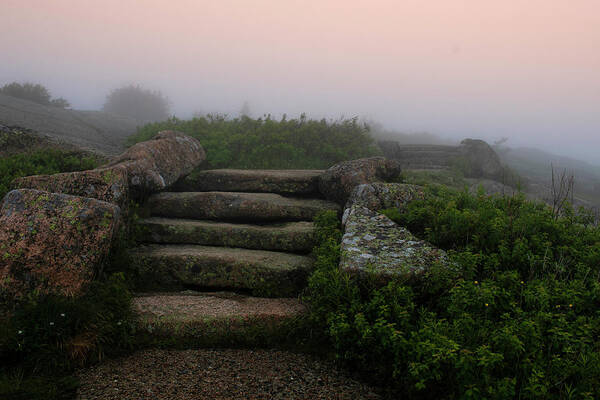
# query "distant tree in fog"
(245, 110)
(139, 103)
(33, 92)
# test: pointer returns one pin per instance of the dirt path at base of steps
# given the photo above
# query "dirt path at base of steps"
(218, 374)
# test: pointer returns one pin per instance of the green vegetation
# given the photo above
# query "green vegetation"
(49, 161)
(267, 143)
(33, 92)
(519, 320)
(45, 338)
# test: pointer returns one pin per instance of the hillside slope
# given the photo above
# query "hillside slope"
(96, 131)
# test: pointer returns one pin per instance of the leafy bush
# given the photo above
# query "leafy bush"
(267, 143)
(137, 102)
(520, 321)
(40, 162)
(33, 92)
(45, 338)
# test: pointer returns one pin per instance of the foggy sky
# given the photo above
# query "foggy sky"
(529, 70)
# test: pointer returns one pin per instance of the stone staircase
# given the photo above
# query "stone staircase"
(226, 245)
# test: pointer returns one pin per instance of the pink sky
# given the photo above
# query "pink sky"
(529, 70)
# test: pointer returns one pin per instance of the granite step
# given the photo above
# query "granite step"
(174, 267)
(233, 206)
(296, 237)
(300, 182)
(216, 318)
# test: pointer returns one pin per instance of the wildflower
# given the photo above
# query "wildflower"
(20, 332)
(62, 315)
(558, 306)
(486, 304)
(51, 323)
(476, 282)
(570, 305)
(119, 323)
(522, 283)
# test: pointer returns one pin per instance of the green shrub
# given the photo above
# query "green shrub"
(48, 161)
(266, 143)
(33, 92)
(521, 321)
(46, 337)
(139, 103)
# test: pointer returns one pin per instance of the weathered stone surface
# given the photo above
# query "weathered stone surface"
(374, 244)
(166, 267)
(108, 184)
(52, 243)
(289, 236)
(378, 196)
(156, 164)
(213, 317)
(236, 206)
(261, 181)
(338, 182)
(483, 162)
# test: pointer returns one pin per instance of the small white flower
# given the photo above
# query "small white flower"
(51, 323)
(20, 332)
(119, 323)
(62, 314)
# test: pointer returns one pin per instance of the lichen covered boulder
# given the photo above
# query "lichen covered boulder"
(108, 184)
(156, 164)
(52, 243)
(377, 196)
(374, 245)
(338, 182)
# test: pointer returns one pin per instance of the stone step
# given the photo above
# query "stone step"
(257, 180)
(236, 206)
(288, 236)
(264, 273)
(217, 318)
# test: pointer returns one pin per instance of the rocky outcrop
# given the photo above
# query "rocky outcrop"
(375, 246)
(156, 164)
(95, 131)
(377, 196)
(52, 243)
(338, 182)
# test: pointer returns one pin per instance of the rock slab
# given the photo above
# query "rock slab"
(378, 196)
(301, 182)
(156, 164)
(287, 236)
(52, 243)
(338, 182)
(108, 184)
(375, 245)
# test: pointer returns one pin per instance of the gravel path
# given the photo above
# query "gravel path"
(218, 374)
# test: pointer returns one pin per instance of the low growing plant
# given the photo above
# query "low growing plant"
(520, 320)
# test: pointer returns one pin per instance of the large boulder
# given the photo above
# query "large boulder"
(375, 246)
(482, 160)
(109, 184)
(145, 168)
(156, 164)
(52, 243)
(338, 182)
(379, 195)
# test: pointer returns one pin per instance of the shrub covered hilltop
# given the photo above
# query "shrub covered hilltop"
(518, 316)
